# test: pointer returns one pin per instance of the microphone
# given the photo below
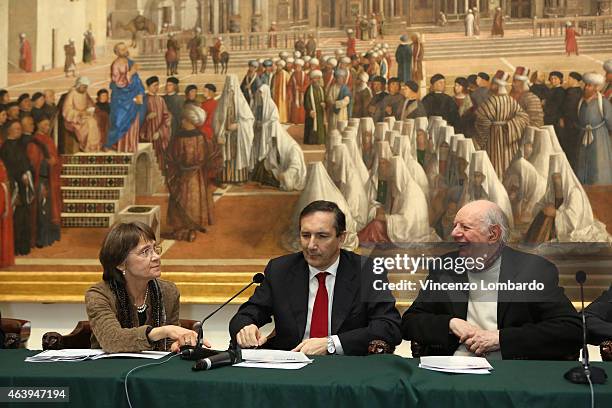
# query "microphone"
(221, 359)
(199, 352)
(584, 373)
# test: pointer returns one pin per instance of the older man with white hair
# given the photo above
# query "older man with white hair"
(503, 304)
(78, 113)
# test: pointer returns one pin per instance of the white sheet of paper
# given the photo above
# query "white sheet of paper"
(457, 371)
(152, 355)
(66, 355)
(456, 362)
(281, 366)
(63, 355)
(274, 356)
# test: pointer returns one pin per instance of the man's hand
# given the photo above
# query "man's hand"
(313, 114)
(462, 329)
(388, 110)
(250, 336)
(313, 347)
(232, 126)
(483, 342)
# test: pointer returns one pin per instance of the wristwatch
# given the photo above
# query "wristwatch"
(331, 346)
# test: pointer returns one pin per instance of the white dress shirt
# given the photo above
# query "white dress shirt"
(313, 287)
(482, 306)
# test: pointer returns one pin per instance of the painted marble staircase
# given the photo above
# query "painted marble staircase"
(97, 186)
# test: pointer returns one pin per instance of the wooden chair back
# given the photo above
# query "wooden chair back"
(16, 331)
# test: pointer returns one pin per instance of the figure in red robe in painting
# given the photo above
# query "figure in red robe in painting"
(156, 126)
(350, 43)
(25, 53)
(190, 207)
(46, 208)
(571, 44)
(7, 248)
(210, 106)
(298, 83)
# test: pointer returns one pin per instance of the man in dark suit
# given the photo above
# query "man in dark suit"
(529, 322)
(599, 318)
(340, 316)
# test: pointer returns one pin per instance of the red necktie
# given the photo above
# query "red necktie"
(318, 322)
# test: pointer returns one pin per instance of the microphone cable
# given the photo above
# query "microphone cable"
(125, 382)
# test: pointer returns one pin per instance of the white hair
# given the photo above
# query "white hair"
(495, 216)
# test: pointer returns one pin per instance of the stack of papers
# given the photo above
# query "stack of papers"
(456, 364)
(88, 354)
(284, 360)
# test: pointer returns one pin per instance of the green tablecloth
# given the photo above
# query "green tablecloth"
(338, 381)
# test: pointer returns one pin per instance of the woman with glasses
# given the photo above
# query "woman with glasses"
(132, 309)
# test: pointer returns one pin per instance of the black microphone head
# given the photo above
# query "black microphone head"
(258, 277)
(580, 277)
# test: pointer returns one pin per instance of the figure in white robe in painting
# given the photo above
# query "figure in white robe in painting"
(355, 156)
(564, 214)
(380, 130)
(403, 218)
(451, 167)
(343, 173)
(285, 160)
(365, 136)
(525, 187)
(319, 186)
(541, 150)
(421, 126)
(408, 129)
(279, 154)
(377, 188)
(334, 138)
(233, 128)
(465, 148)
(401, 147)
(483, 184)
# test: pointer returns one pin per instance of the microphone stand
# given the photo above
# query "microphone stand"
(584, 373)
(199, 351)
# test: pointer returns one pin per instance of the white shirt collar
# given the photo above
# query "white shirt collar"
(332, 270)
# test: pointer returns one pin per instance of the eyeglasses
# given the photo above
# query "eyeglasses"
(148, 251)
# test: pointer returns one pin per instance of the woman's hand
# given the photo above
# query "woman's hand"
(180, 334)
(176, 346)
